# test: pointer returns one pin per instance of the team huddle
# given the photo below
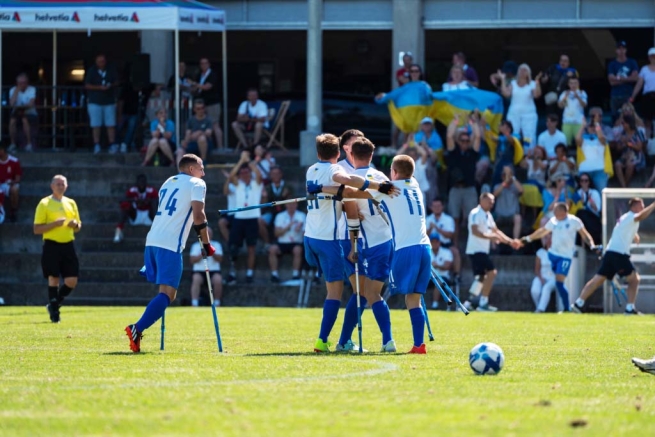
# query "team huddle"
(369, 229)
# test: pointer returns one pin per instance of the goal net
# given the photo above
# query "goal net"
(615, 204)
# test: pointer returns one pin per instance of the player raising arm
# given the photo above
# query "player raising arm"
(563, 226)
(181, 205)
(617, 256)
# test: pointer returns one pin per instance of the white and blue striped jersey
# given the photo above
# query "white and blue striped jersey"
(323, 215)
(374, 229)
(348, 168)
(406, 214)
(173, 221)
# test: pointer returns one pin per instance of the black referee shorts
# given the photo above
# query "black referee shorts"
(615, 263)
(59, 259)
(481, 263)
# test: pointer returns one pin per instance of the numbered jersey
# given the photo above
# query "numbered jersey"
(173, 220)
(323, 214)
(406, 214)
(348, 168)
(564, 232)
(374, 228)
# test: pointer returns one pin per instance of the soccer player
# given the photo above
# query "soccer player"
(374, 259)
(563, 226)
(482, 231)
(181, 205)
(322, 248)
(617, 256)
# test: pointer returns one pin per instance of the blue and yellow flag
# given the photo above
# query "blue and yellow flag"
(408, 105)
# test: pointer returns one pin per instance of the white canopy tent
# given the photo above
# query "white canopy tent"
(134, 15)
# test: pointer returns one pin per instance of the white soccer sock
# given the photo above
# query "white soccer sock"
(629, 307)
(484, 301)
(194, 302)
(249, 272)
(579, 302)
(217, 302)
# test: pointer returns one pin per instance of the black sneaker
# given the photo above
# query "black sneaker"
(249, 279)
(231, 279)
(633, 312)
(274, 279)
(53, 311)
(575, 308)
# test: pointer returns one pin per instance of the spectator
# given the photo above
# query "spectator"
(555, 82)
(506, 148)
(631, 146)
(591, 141)
(622, 74)
(252, 117)
(543, 285)
(573, 101)
(470, 75)
(265, 162)
(627, 109)
(428, 136)
(522, 111)
(422, 157)
(443, 226)
(646, 82)
(160, 99)
(442, 262)
(402, 74)
(590, 204)
(456, 81)
(131, 109)
(245, 225)
(596, 113)
(289, 232)
(504, 77)
(461, 161)
(552, 136)
(198, 132)
(557, 192)
(185, 84)
(10, 175)
(536, 166)
(199, 276)
(507, 193)
(562, 165)
(162, 131)
(139, 206)
(22, 99)
(275, 191)
(99, 83)
(225, 221)
(207, 89)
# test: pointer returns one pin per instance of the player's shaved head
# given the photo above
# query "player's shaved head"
(561, 206)
(327, 146)
(362, 149)
(188, 160)
(348, 135)
(403, 165)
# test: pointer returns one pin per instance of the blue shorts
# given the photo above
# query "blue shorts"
(349, 267)
(377, 261)
(326, 256)
(102, 115)
(163, 266)
(559, 264)
(411, 269)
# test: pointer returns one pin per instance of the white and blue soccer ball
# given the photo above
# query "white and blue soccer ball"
(486, 359)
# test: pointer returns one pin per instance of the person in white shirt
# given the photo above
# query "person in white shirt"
(646, 81)
(522, 112)
(616, 259)
(551, 137)
(482, 231)
(543, 283)
(289, 231)
(21, 100)
(573, 101)
(199, 276)
(181, 206)
(224, 222)
(564, 228)
(245, 225)
(252, 116)
(443, 225)
(591, 139)
(423, 158)
(458, 81)
(442, 261)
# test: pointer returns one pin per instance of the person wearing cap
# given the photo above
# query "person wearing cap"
(622, 74)
(428, 136)
(646, 81)
(442, 262)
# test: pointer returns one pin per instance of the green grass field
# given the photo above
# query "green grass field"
(79, 378)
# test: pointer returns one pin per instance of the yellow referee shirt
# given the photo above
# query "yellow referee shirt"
(50, 209)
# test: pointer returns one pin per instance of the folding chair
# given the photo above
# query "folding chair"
(278, 125)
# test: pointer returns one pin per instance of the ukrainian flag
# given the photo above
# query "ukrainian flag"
(408, 105)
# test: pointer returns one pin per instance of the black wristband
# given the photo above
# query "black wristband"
(339, 195)
(199, 228)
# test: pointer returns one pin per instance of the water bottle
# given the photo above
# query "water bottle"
(73, 99)
(64, 98)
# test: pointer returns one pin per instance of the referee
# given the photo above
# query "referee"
(58, 219)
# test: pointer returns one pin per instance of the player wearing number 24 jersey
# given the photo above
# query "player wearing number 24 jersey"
(181, 205)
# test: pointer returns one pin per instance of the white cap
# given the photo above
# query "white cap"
(651, 52)
(427, 120)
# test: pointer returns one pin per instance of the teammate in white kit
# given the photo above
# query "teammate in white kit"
(617, 256)
(322, 248)
(181, 205)
(563, 226)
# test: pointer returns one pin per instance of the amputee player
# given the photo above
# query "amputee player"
(616, 259)
(563, 226)
(322, 248)
(376, 252)
(181, 205)
(483, 230)
(410, 266)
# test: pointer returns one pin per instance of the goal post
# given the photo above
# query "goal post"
(615, 204)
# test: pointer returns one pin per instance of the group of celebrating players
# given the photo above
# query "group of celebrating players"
(372, 228)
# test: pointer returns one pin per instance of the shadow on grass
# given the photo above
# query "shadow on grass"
(331, 355)
(127, 353)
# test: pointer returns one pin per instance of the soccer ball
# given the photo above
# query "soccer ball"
(486, 359)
